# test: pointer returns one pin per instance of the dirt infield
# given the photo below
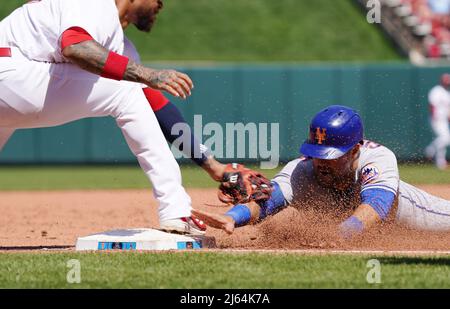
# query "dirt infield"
(36, 220)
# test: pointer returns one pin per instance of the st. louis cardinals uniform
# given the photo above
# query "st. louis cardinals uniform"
(39, 88)
(439, 100)
(377, 169)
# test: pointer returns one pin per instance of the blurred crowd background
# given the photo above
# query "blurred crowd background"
(266, 61)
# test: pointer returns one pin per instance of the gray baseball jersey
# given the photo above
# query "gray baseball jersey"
(377, 169)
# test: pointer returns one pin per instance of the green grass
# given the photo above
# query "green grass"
(424, 174)
(100, 177)
(220, 270)
(128, 177)
(258, 30)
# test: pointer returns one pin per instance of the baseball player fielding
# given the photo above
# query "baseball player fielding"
(61, 62)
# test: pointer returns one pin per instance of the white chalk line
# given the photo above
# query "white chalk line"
(261, 251)
(333, 252)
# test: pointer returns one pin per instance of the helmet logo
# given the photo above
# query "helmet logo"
(321, 135)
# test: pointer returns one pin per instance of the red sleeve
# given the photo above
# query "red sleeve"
(74, 35)
(156, 99)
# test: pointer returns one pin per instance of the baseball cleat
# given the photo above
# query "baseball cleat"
(187, 225)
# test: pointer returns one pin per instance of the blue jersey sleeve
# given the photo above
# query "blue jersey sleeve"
(241, 214)
(381, 201)
(273, 205)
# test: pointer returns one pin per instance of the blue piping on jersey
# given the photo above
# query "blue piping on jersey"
(424, 208)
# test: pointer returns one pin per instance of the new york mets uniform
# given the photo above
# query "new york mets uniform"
(377, 169)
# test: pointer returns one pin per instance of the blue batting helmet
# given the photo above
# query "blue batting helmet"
(333, 132)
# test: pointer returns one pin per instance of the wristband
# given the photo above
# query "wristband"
(351, 227)
(240, 214)
(115, 66)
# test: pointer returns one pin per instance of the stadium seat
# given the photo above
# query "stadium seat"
(392, 3)
(430, 29)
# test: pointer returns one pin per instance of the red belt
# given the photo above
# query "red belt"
(5, 52)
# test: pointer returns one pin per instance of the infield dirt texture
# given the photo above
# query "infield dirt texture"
(54, 219)
(39, 227)
(44, 210)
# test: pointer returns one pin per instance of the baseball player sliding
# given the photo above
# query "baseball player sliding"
(439, 103)
(354, 179)
(63, 60)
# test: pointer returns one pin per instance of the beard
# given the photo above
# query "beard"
(336, 181)
(145, 21)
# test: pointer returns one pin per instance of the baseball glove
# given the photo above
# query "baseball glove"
(243, 185)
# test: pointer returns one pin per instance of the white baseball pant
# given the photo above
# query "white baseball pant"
(36, 94)
(421, 210)
(438, 147)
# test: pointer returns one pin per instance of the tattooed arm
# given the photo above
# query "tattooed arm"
(91, 56)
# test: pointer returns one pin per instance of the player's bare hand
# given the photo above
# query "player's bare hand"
(176, 83)
(217, 221)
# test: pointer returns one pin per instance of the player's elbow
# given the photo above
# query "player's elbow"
(75, 52)
(68, 52)
(73, 39)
